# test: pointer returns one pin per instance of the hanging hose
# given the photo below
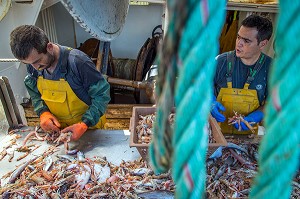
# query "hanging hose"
(186, 69)
(279, 150)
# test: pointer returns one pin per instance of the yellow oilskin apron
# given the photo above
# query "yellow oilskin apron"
(243, 101)
(61, 100)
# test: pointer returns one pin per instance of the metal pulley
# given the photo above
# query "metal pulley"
(103, 19)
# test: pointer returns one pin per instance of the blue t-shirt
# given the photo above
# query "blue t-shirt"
(240, 74)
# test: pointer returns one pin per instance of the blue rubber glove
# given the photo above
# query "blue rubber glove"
(255, 116)
(216, 107)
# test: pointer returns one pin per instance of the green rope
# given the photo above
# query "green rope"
(188, 53)
(161, 151)
(279, 150)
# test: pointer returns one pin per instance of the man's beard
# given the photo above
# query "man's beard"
(50, 59)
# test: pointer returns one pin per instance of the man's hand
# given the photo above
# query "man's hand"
(77, 130)
(49, 122)
(252, 118)
(216, 107)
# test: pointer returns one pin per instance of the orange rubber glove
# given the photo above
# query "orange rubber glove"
(49, 122)
(77, 130)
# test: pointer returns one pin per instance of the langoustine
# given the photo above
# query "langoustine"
(91, 178)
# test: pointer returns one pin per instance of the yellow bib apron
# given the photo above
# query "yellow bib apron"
(63, 102)
(243, 101)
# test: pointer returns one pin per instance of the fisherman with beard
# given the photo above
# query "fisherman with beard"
(241, 78)
(67, 91)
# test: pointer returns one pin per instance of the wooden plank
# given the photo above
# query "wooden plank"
(121, 110)
(29, 112)
(118, 116)
(112, 112)
(217, 133)
(111, 124)
(33, 119)
(117, 124)
(32, 123)
(125, 105)
(119, 113)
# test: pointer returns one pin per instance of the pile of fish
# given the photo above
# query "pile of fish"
(144, 128)
(211, 138)
(65, 176)
(12, 146)
(231, 170)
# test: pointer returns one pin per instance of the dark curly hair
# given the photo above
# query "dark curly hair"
(25, 38)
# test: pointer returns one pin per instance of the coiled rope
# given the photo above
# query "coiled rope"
(186, 69)
(279, 150)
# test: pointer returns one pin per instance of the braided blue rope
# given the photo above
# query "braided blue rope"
(189, 51)
(279, 150)
(198, 48)
(161, 150)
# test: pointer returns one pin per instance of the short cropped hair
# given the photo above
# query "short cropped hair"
(262, 24)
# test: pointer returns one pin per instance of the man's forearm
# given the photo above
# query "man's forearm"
(38, 104)
(100, 97)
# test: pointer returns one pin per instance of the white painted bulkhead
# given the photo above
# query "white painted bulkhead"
(18, 14)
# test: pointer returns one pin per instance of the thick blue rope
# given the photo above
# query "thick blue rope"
(188, 53)
(279, 150)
